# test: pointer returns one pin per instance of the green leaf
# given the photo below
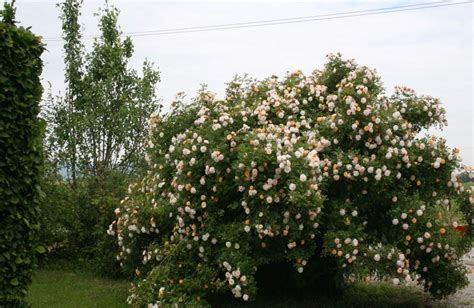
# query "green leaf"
(14, 282)
(40, 249)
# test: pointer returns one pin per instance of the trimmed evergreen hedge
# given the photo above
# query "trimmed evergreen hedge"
(20, 158)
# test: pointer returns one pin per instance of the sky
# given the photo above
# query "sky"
(429, 50)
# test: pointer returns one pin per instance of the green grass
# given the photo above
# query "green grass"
(67, 289)
(468, 185)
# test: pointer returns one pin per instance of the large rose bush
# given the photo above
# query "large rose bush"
(291, 170)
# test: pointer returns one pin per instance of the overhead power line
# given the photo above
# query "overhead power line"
(273, 22)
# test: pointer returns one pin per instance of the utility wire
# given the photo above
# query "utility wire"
(263, 23)
(278, 20)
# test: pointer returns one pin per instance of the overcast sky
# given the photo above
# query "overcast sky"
(429, 50)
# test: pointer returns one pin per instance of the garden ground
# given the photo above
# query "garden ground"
(59, 286)
(55, 287)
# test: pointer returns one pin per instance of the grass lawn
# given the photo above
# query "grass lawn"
(68, 288)
(56, 287)
(468, 185)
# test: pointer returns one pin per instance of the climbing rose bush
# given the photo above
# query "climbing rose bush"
(291, 170)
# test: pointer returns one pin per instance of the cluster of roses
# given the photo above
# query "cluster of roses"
(259, 176)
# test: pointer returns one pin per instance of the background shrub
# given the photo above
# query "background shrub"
(323, 173)
(74, 220)
(58, 208)
(21, 159)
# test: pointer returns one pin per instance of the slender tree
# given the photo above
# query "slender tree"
(63, 115)
(100, 123)
(96, 130)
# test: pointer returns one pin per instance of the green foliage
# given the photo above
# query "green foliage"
(21, 159)
(100, 123)
(73, 219)
(95, 133)
(57, 219)
(321, 173)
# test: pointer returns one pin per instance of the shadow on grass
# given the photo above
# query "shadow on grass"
(359, 295)
(281, 287)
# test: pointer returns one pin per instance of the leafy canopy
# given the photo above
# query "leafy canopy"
(100, 122)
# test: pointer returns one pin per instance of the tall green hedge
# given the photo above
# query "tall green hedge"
(20, 157)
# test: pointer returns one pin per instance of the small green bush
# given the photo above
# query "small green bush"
(73, 219)
(95, 213)
(322, 172)
(58, 213)
(20, 159)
